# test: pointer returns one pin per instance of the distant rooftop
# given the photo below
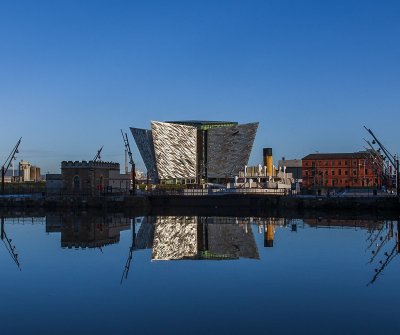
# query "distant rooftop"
(290, 163)
(338, 155)
(202, 124)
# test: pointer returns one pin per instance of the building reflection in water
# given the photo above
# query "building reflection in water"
(212, 238)
(194, 237)
(342, 223)
(269, 234)
(382, 239)
(86, 231)
(200, 237)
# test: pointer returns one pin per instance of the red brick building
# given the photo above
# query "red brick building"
(341, 170)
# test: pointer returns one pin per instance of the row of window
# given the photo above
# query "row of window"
(333, 172)
(338, 182)
(336, 163)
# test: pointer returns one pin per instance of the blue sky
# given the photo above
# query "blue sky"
(73, 73)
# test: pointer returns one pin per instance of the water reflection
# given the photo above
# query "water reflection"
(140, 241)
(177, 270)
(86, 231)
(210, 238)
(384, 247)
(10, 247)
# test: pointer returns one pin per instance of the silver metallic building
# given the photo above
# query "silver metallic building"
(194, 237)
(195, 151)
(175, 148)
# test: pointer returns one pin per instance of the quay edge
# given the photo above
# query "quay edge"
(247, 203)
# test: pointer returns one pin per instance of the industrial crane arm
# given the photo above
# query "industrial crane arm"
(10, 157)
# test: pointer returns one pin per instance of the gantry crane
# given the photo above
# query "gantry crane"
(98, 157)
(8, 162)
(393, 159)
(131, 162)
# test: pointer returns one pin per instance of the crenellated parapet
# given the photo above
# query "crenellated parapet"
(89, 165)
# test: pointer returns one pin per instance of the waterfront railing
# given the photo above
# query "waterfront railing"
(215, 192)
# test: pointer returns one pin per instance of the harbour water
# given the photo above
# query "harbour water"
(80, 273)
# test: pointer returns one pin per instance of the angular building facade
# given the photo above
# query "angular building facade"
(194, 151)
(207, 238)
(175, 148)
(144, 142)
(228, 149)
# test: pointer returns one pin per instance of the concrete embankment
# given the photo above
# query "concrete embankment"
(111, 204)
(255, 205)
(248, 204)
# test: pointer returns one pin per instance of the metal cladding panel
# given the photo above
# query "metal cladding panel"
(228, 149)
(175, 238)
(144, 142)
(175, 150)
(232, 239)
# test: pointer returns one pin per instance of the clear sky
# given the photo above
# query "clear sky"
(73, 73)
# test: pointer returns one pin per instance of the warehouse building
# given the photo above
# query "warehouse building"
(342, 170)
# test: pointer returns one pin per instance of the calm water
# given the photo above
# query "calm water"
(82, 274)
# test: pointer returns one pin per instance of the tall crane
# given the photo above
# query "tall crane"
(8, 162)
(393, 159)
(131, 162)
(98, 157)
